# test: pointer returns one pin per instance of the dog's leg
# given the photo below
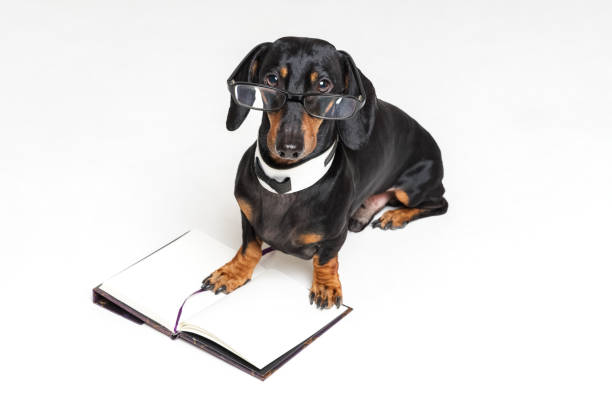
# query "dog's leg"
(398, 218)
(368, 209)
(238, 271)
(326, 289)
(418, 192)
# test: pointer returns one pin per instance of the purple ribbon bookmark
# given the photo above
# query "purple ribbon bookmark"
(180, 311)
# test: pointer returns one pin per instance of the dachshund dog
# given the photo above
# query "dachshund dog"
(322, 165)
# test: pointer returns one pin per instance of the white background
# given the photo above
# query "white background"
(113, 140)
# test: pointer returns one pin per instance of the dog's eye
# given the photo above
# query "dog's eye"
(324, 85)
(271, 80)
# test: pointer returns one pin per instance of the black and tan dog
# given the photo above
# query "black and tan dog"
(379, 156)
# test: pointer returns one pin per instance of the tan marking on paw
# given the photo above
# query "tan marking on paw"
(237, 271)
(326, 285)
(398, 217)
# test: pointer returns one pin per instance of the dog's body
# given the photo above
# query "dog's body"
(383, 157)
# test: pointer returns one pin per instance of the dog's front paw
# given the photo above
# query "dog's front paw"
(236, 272)
(226, 279)
(326, 295)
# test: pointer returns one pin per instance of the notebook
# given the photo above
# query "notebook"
(256, 328)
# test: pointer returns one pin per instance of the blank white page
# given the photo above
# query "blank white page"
(263, 319)
(157, 285)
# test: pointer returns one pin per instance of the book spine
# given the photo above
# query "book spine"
(107, 301)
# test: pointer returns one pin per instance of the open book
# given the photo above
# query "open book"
(256, 328)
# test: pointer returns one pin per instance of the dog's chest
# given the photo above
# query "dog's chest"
(295, 223)
(287, 222)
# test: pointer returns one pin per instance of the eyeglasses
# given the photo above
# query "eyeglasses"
(324, 106)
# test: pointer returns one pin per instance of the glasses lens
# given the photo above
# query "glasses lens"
(330, 107)
(256, 97)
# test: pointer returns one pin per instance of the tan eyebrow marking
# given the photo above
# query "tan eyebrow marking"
(313, 76)
(283, 72)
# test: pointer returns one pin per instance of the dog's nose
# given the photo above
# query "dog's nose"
(290, 140)
(289, 151)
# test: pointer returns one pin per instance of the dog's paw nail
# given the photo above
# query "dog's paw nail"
(319, 302)
(324, 305)
(312, 295)
(222, 288)
(338, 301)
(208, 286)
(376, 224)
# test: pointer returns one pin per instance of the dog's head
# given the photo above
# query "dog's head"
(300, 66)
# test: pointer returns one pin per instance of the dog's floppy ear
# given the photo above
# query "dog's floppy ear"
(355, 131)
(246, 71)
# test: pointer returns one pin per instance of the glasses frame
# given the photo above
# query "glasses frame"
(293, 97)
